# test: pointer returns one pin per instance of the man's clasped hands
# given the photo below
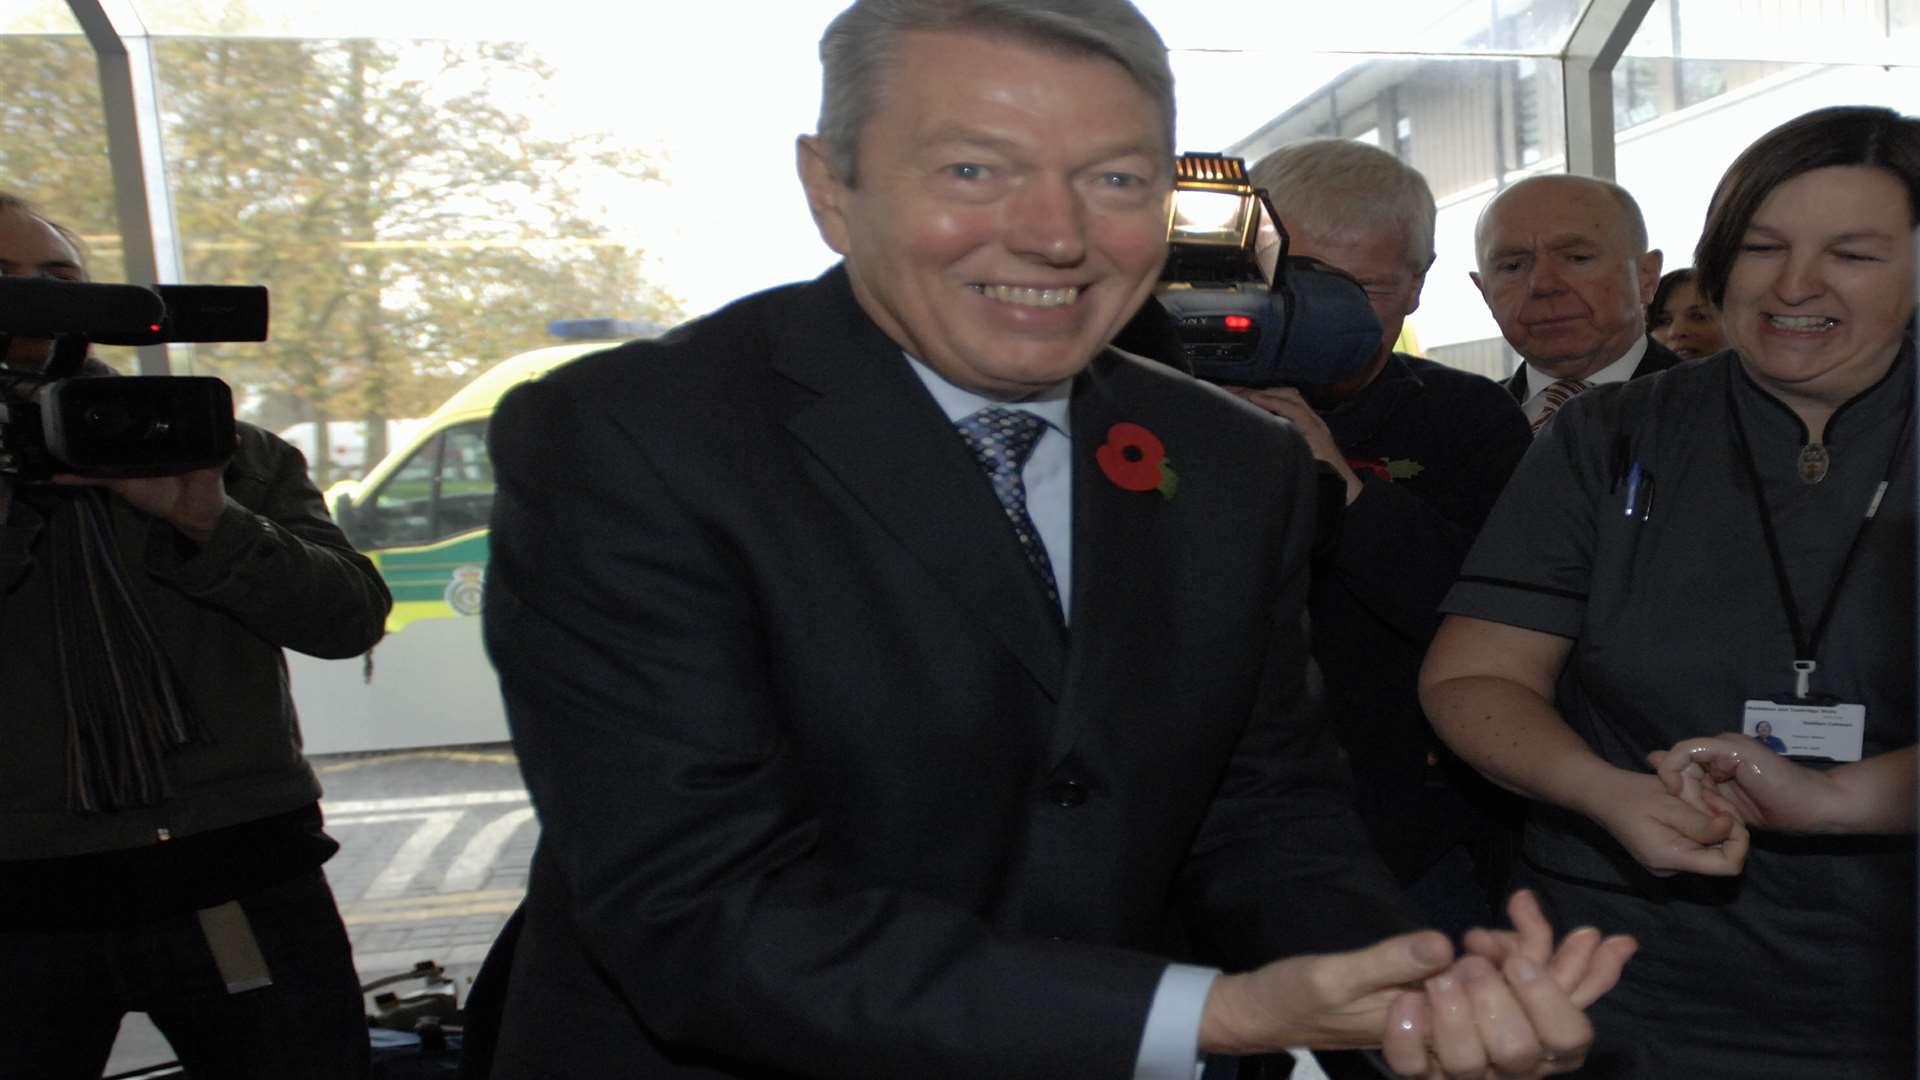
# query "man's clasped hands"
(1512, 1005)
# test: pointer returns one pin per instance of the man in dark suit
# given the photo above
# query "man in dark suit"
(902, 679)
(1424, 450)
(1565, 269)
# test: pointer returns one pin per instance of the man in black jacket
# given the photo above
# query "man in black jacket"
(160, 832)
(1424, 450)
(911, 686)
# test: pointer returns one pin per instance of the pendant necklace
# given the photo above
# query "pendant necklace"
(1813, 464)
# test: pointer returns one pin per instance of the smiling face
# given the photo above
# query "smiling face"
(1821, 288)
(31, 247)
(1687, 324)
(1560, 274)
(1010, 214)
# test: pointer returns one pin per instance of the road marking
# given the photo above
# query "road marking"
(410, 903)
(412, 857)
(489, 902)
(470, 757)
(423, 802)
(469, 871)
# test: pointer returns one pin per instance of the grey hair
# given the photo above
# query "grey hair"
(1337, 187)
(1630, 214)
(14, 204)
(860, 45)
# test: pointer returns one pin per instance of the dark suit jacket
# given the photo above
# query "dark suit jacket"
(824, 789)
(1658, 358)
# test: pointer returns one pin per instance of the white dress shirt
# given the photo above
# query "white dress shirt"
(1619, 371)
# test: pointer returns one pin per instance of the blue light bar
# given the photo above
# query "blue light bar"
(601, 329)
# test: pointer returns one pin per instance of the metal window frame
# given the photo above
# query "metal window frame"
(143, 203)
(129, 98)
(1593, 50)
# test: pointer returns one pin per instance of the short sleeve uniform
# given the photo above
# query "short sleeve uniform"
(1805, 962)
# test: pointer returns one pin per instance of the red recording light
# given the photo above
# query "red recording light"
(1239, 324)
(155, 327)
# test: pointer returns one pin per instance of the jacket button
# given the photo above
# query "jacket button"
(1067, 793)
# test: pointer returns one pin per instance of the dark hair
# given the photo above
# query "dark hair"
(14, 204)
(1669, 281)
(1842, 135)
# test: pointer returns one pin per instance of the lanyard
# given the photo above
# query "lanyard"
(1807, 647)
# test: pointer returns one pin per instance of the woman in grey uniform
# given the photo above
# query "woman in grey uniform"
(1687, 556)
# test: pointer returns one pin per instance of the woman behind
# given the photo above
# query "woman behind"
(1682, 319)
(1689, 555)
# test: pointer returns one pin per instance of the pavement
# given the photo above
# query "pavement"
(434, 848)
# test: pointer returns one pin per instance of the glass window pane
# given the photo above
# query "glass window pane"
(1789, 31)
(1467, 125)
(1371, 26)
(37, 17)
(54, 153)
(1521, 26)
(1704, 78)
(416, 210)
(466, 482)
(400, 512)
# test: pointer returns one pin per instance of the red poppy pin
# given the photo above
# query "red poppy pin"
(1135, 460)
(1376, 466)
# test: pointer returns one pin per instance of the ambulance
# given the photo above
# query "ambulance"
(421, 516)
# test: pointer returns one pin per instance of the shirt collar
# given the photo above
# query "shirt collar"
(1619, 371)
(1050, 405)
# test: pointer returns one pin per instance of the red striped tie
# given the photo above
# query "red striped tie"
(1556, 395)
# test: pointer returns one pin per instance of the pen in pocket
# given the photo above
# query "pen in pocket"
(1639, 501)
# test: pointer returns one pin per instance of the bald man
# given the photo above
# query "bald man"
(1565, 269)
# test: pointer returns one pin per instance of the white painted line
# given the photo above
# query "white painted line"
(424, 802)
(412, 857)
(470, 869)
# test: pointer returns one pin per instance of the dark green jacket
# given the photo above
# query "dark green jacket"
(277, 573)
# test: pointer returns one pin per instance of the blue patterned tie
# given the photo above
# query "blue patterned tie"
(1001, 440)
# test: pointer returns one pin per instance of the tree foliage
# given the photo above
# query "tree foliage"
(410, 226)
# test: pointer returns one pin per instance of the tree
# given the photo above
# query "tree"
(410, 227)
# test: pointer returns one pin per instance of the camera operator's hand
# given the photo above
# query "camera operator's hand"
(190, 502)
(1287, 403)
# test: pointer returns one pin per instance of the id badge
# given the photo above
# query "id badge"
(1806, 729)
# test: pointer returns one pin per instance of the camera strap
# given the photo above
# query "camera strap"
(124, 713)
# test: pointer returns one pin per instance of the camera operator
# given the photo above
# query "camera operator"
(160, 831)
(1424, 449)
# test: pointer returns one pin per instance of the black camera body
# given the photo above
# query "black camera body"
(141, 425)
(1305, 325)
(65, 420)
(1312, 327)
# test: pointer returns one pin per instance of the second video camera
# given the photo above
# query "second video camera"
(1310, 325)
(59, 420)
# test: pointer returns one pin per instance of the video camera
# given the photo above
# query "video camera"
(60, 421)
(1309, 326)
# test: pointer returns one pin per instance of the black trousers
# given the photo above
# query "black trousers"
(64, 994)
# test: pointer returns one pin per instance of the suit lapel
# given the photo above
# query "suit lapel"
(874, 427)
(1122, 553)
(1658, 358)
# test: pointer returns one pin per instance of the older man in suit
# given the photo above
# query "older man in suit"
(1565, 269)
(903, 679)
